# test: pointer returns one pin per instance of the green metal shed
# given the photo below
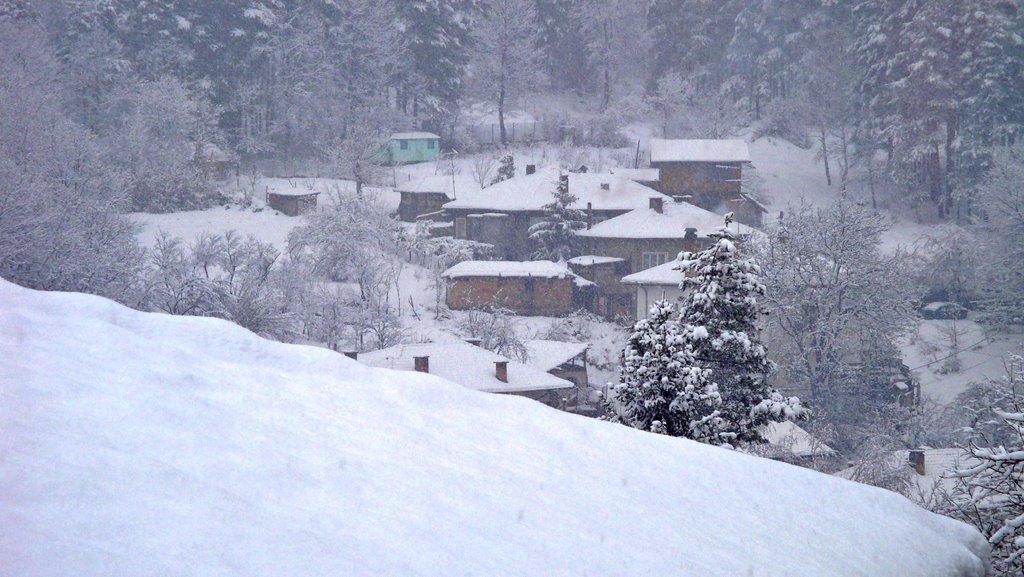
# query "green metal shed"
(406, 147)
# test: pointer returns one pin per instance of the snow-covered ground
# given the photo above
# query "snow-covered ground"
(144, 444)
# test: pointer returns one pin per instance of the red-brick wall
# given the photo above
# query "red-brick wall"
(523, 296)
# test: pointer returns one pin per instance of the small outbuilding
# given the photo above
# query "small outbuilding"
(214, 163)
(408, 147)
(534, 288)
(292, 203)
(427, 195)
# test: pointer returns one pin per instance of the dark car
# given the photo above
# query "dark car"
(943, 310)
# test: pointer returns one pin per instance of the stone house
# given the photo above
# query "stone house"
(707, 173)
(613, 299)
(427, 195)
(534, 288)
(502, 214)
(473, 367)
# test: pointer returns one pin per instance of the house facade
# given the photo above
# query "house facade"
(292, 203)
(409, 147)
(428, 195)
(533, 288)
(707, 173)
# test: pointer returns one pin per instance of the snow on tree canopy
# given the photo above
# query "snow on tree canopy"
(146, 444)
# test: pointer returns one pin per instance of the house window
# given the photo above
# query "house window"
(650, 259)
(403, 144)
(431, 144)
(460, 227)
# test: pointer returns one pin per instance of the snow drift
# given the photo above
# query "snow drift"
(143, 444)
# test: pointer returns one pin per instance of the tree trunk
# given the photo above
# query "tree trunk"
(824, 155)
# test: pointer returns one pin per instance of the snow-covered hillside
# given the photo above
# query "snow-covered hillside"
(143, 444)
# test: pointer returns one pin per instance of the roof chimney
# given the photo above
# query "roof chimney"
(421, 364)
(590, 215)
(658, 205)
(501, 371)
(691, 234)
(531, 168)
(606, 186)
(475, 342)
(563, 180)
(352, 355)
(917, 460)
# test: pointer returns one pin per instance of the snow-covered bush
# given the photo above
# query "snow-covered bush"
(497, 330)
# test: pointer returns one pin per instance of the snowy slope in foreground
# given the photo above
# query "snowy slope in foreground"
(143, 444)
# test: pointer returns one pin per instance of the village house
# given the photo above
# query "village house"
(502, 214)
(426, 196)
(214, 163)
(707, 173)
(790, 443)
(654, 284)
(409, 147)
(532, 288)
(564, 360)
(473, 367)
(649, 177)
(644, 239)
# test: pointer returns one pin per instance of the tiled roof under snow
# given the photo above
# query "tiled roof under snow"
(532, 192)
(638, 174)
(453, 186)
(699, 150)
(663, 274)
(508, 268)
(545, 355)
(672, 222)
(467, 365)
(413, 135)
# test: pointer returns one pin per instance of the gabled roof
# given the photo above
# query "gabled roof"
(532, 192)
(670, 223)
(452, 186)
(546, 355)
(414, 136)
(699, 151)
(594, 260)
(638, 174)
(662, 275)
(467, 365)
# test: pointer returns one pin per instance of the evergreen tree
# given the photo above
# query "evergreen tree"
(557, 232)
(660, 388)
(718, 318)
(506, 169)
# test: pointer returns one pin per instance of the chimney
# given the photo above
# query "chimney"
(352, 355)
(917, 460)
(501, 371)
(531, 168)
(475, 342)
(658, 205)
(590, 215)
(421, 364)
(691, 234)
(606, 186)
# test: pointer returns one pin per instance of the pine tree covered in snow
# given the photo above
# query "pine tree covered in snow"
(506, 169)
(557, 232)
(660, 387)
(718, 317)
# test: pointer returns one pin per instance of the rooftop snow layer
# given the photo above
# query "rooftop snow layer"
(413, 136)
(594, 260)
(939, 466)
(663, 274)
(790, 437)
(140, 444)
(672, 222)
(638, 174)
(663, 150)
(546, 355)
(453, 186)
(467, 365)
(532, 192)
(509, 268)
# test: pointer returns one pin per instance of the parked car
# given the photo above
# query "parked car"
(943, 310)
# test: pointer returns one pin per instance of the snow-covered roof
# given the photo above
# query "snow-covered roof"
(662, 275)
(671, 222)
(452, 186)
(638, 174)
(594, 260)
(414, 136)
(546, 355)
(790, 437)
(676, 150)
(533, 191)
(467, 365)
(939, 465)
(141, 443)
(508, 268)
